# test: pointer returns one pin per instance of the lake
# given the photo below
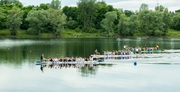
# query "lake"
(19, 73)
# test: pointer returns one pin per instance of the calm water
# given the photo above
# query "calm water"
(18, 72)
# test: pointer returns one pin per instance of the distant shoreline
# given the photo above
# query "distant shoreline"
(72, 34)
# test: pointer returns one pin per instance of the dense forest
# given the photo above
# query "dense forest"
(90, 16)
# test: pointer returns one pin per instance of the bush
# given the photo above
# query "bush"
(72, 24)
(89, 30)
(77, 30)
(158, 33)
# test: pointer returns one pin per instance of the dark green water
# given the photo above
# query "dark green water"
(20, 74)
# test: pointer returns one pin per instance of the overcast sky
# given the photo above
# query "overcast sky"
(133, 5)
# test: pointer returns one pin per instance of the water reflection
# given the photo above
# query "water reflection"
(65, 66)
(88, 71)
(42, 68)
(84, 69)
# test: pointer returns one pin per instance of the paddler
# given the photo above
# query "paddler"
(96, 52)
(42, 57)
(157, 47)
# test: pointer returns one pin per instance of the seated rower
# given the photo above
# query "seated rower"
(55, 59)
(91, 58)
(51, 60)
(69, 59)
(60, 59)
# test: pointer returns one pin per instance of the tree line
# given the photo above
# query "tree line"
(89, 16)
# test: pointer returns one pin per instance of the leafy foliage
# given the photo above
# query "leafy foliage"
(102, 9)
(55, 4)
(176, 21)
(37, 19)
(108, 22)
(2, 18)
(87, 12)
(57, 20)
(14, 20)
(89, 17)
(128, 25)
(144, 7)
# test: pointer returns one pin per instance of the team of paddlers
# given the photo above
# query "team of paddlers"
(66, 59)
(126, 51)
(130, 51)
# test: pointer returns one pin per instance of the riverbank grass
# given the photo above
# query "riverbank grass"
(4, 32)
(72, 34)
(173, 33)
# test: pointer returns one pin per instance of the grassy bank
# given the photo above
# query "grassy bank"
(73, 33)
(22, 34)
(65, 34)
(173, 33)
(69, 34)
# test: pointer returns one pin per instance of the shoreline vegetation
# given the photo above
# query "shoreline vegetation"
(90, 18)
(71, 34)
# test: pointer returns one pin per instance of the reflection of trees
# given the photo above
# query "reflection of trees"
(11, 56)
(86, 71)
(91, 70)
(24, 52)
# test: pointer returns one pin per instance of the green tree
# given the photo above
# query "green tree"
(2, 2)
(128, 26)
(176, 21)
(55, 4)
(133, 25)
(144, 7)
(1, 13)
(151, 23)
(159, 8)
(108, 22)
(123, 25)
(26, 10)
(72, 14)
(2, 18)
(87, 13)
(72, 24)
(14, 20)
(156, 24)
(57, 20)
(144, 21)
(128, 13)
(43, 6)
(102, 9)
(17, 3)
(37, 19)
(167, 19)
(177, 11)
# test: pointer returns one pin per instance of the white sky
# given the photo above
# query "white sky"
(133, 5)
